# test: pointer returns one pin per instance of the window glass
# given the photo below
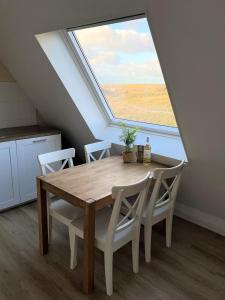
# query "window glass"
(123, 59)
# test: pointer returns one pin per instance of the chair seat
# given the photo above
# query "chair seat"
(159, 213)
(64, 211)
(101, 226)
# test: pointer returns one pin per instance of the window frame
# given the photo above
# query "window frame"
(96, 87)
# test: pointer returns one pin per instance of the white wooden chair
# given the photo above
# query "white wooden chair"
(160, 204)
(59, 209)
(113, 230)
(103, 146)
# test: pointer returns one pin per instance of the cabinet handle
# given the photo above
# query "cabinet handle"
(39, 141)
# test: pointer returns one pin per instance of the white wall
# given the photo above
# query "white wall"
(68, 69)
(189, 37)
(15, 108)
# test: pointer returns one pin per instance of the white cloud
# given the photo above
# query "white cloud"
(131, 72)
(104, 58)
(121, 55)
(123, 40)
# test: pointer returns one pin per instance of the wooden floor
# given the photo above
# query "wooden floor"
(194, 268)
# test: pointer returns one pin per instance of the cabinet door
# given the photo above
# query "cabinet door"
(9, 190)
(28, 165)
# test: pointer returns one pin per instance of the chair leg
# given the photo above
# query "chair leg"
(73, 249)
(169, 225)
(49, 229)
(108, 257)
(135, 254)
(148, 239)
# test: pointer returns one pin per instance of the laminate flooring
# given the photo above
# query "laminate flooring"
(194, 268)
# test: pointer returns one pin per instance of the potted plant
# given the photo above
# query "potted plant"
(128, 137)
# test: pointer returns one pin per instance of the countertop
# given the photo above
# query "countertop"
(25, 132)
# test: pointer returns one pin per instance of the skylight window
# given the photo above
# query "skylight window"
(122, 59)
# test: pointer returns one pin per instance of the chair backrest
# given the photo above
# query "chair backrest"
(103, 146)
(133, 213)
(164, 192)
(64, 156)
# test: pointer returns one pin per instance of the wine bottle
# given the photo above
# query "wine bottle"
(147, 153)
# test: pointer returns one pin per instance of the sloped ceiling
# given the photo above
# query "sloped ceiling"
(189, 36)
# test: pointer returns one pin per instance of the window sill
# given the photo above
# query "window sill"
(167, 149)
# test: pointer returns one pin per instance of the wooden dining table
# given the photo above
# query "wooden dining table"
(88, 186)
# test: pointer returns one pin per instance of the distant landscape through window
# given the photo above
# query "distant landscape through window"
(124, 61)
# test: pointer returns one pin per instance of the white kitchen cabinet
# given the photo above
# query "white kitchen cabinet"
(19, 166)
(9, 188)
(28, 166)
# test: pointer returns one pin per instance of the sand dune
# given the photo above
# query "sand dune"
(140, 102)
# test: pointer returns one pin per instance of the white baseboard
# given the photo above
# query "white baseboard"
(200, 218)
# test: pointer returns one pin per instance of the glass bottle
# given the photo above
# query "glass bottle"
(147, 153)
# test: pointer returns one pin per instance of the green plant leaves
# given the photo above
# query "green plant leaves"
(128, 136)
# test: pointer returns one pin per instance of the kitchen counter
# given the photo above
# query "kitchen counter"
(25, 132)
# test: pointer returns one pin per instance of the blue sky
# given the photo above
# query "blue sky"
(122, 52)
(139, 24)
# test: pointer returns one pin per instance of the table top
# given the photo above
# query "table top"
(94, 181)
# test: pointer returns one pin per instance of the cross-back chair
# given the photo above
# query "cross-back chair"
(102, 147)
(47, 159)
(113, 229)
(59, 209)
(160, 204)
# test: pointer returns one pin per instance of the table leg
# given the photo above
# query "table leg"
(89, 247)
(42, 218)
